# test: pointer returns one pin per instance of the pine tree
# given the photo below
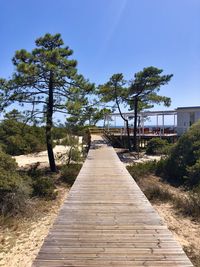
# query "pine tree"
(44, 81)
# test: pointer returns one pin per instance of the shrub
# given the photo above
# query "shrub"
(14, 188)
(183, 164)
(193, 173)
(59, 132)
(70, 172)
(43, 182)
(190, 205)
(7, 162)
(156, 192)
(44, 187)
(17, 138)
(139, 170)
(158, 146)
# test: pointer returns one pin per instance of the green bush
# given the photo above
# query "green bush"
(7, 162)
(43, 182)
(44, 187)
(139, 170)
(158, 146)
(59, 133)
(14, 188)
(189, 205)
(182, 164)
(70, 172)
(17, 138)
(193, 173)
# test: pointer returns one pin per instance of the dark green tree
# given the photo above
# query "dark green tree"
(139, 94)
(15, 115)
(45, 79)
(115, 90)
(143, 93)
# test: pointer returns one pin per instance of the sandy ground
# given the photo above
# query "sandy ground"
(185, 231)
(41, 157)
(24, 160)
(20, 243)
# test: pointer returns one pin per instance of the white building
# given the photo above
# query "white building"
(186, 116)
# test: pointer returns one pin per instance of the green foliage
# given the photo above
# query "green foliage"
(158, 146)
(145, 87)
(73, 153)
(47, 79)
(183, 164)
(17, 138)
(70, 172)
(59, 133)
(139, 170)
(43, 182)
(193, 173)
(190, 204)
(7, 162)
(14, 188)
(138, 94)
(70, 140)
(44, 187)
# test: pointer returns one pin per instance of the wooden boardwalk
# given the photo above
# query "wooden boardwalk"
(107, 221)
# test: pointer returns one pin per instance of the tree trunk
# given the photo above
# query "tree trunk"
(49, 124)
(135, 124)
(128, 135)
(69, 156)
(127, 126)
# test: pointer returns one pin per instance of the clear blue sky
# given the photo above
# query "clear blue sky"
(110, 36)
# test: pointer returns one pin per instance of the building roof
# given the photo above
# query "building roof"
(189, 108)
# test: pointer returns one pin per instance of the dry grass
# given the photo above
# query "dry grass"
(22, 237)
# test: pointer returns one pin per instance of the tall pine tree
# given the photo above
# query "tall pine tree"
(44, 80)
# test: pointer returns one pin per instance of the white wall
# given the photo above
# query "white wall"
(183, 120)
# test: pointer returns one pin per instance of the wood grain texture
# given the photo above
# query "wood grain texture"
(107, 221)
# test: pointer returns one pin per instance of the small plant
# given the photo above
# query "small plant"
(73, 153)
(139, 170)
(158, 146)
(43, 183)
(69, 173)
(14, 188)
(44, 187)
(156, 192)
(193, 173)
(190, 205)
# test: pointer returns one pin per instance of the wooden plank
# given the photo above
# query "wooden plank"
(107, 221)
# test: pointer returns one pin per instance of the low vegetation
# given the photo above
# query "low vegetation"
(17, 138)
(20, 186)
(141, 170)
(182, 165)
(15, 189)
(158, 193)
(69, 173)
(158, 146)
